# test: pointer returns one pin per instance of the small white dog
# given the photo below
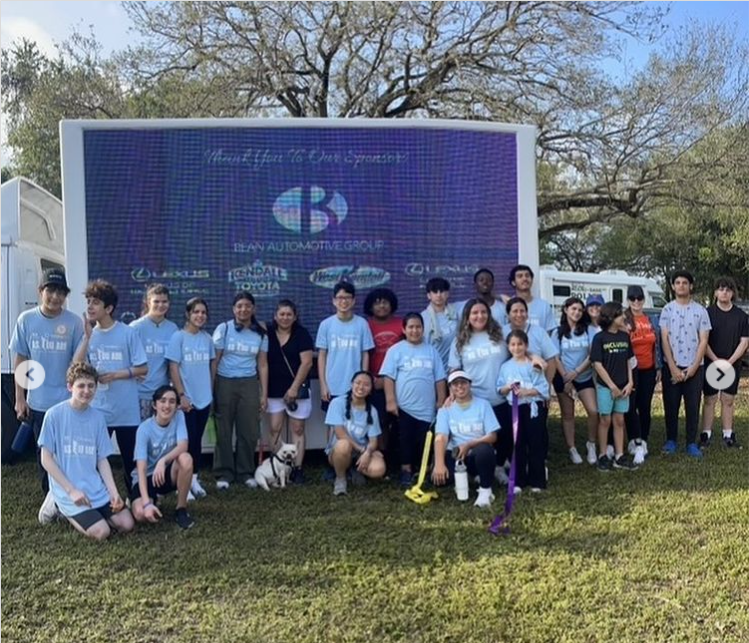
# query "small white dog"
(275, 471)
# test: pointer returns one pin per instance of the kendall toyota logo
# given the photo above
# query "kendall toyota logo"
(144, 274)
(309, 209)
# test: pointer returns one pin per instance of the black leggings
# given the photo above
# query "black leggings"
(196, 421)
(480, 462)
(413, 433)
(637, 419)
(530, 450)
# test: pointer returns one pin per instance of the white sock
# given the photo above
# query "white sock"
(710, 432)
(727, 433)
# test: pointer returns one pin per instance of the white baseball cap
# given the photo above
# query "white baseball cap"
(457, 375)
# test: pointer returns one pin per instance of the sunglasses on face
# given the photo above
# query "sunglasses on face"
(636, 298)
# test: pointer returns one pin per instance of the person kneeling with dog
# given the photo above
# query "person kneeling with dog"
(466, 428)
(162, 462)
(355, 427)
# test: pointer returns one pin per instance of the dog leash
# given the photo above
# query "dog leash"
(499, 525)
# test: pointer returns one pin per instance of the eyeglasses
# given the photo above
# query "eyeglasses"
(636, 298)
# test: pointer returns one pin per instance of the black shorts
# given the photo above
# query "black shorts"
(578, 386)
(153, 490)
(709, 391)
(87, 519)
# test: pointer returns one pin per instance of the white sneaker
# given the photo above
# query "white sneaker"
(190, 497)
(517, 490)
(610, 452)
(536, 490)
(48, 512)
(639, 455)
(631, 447)
(222, 485)
(485, 498)
(644, 447)
(592, 453)
(501, 475)
(196, 488)
(575, 456)
(340, 487)
(251, 483)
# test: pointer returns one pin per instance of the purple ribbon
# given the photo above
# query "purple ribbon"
(499, 525)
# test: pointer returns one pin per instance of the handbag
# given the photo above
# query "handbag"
(304, 387)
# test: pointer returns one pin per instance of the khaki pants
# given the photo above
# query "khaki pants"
(238, 407)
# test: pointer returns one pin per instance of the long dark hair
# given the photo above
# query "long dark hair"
(565, 330)
(367, 400)
(254, 324)
(465, 331)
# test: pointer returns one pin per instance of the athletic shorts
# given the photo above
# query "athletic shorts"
(87, 519)
(731, 390)
(153, 490)
(578, 386)
(303, 411)
(607, 404)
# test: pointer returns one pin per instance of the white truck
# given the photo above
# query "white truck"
(555, 286)
(33, 239)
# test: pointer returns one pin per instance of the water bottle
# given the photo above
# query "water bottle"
(461, 481)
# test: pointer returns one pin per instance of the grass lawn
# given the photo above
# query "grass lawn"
(660, 554)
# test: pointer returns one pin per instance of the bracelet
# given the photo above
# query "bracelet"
(130, 373)
(147, 505)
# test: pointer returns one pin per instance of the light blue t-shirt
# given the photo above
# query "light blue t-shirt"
(356, 427)
(573, 351)
(51, 341)
(155, 338)
(415, 370)
(684, 324)
(78, 440)
(528, 377)
(463, 424)
(541, 314)
(117, 348)
(193, 354)
(498, 308)
(481, 359)
(539, 342)
(153, 442)
(440, 329)
(240, 350)
(344, 341)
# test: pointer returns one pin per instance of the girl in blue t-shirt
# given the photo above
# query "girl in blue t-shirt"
(414, 382)
(355, 427)
(192, 360)
(574, 376)
(518, 377)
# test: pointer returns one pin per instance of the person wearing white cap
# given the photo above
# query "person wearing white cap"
(466, 430)
(47, 334)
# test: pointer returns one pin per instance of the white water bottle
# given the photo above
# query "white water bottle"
(461, 481)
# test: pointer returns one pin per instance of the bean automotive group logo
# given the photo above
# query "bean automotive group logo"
(309, 209)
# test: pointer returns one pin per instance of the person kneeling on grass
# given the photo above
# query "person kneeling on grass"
(467, 426)
(74, 447)
(611, 355)
(355, 426)
(162, 462)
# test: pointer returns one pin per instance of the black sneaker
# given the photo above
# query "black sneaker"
(731, 441)
(705, 439)
(604, 464)
(184, 520)
(623, 462)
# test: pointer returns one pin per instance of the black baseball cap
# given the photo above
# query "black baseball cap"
(635, 292)
(54, 277)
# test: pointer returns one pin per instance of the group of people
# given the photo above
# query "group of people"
(478, 371)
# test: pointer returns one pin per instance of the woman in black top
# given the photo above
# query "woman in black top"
(289, 362)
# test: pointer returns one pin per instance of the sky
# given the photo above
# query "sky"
(49, 22)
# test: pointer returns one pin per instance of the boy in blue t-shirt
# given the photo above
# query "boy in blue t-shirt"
(47, 334)
(162, 462)
(117, 353)
(75, 445)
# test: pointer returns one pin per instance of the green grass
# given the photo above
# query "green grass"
(655, 555)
